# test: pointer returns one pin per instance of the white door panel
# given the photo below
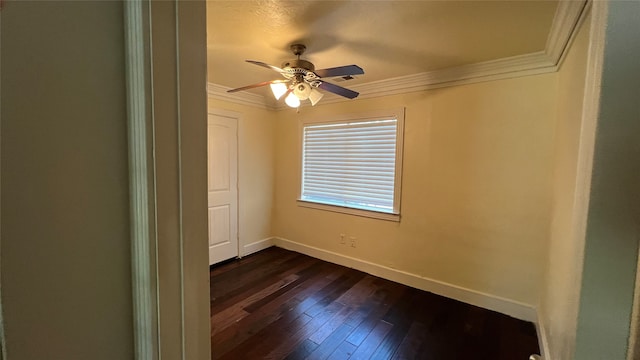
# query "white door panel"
(219, 219)
(222, 182)
(219, 154)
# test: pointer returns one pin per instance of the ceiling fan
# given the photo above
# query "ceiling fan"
(301, 80)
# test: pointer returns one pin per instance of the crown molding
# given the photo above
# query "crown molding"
(506, 68)
(566, 20)
(568, 16)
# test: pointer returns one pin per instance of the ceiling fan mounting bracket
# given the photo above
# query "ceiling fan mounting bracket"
(298, 49)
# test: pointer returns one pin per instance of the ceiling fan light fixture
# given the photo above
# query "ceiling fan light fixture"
(292, 100)
(278, 89)
(315, 96)
(302, 90)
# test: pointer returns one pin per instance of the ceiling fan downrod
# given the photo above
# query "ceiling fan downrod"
(298, 49)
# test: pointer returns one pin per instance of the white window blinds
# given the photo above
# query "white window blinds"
(351, 164)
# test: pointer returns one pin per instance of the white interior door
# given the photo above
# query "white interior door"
(222, 138)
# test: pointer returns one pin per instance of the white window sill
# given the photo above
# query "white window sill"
(350, 211)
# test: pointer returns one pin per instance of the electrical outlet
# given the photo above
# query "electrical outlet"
(342, 239)
(352, 241)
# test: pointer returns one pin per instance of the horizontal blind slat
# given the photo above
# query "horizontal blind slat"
(381, 194)
(353, 136)
(337, 173)
(388, 185)
(362, 127)
(379, 163)
(349, 133)
(373, 179)
(360, 168)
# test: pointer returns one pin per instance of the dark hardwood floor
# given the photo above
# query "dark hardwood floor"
(279, 304)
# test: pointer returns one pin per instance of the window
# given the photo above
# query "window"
(353, 165)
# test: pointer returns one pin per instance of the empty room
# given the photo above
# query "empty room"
(430, 144)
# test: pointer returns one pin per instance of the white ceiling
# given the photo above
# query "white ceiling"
(387, 39)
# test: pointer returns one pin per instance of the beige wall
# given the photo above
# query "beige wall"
(560, 296)
(66, 278)
(476, 187)
(256, 168)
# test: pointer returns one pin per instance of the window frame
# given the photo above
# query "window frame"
(399, 115)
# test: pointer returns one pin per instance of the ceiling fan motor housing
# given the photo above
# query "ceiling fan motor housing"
(298, 63)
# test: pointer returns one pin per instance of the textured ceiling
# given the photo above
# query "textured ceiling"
(386, 38)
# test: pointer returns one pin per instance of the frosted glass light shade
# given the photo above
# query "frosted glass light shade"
(315, 96)
(278, 89)
(302, 90)
(292, 100)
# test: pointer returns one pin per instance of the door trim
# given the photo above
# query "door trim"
(141, 182)
(170, 287)
(634, 331)
(3, 344)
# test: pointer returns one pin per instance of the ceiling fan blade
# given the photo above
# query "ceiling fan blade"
(338, 90)
(257, 85)
(260, 63)
(340, 71)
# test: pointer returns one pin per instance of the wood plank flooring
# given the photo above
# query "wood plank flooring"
(278, 304)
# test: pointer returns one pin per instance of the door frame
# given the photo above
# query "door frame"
(634, 331)
(237, 117)
(165, 58)
(3, 345)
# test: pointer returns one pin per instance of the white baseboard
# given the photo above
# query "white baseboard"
(543, 337)
(505, 306)
(256, 246)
